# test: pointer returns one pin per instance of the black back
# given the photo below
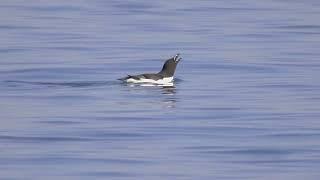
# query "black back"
(168, 70)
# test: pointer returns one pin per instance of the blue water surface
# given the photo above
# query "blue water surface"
(245, 105)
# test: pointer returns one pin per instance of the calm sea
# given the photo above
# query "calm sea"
(245, 105)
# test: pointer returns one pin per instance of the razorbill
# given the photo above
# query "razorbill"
(165, 76)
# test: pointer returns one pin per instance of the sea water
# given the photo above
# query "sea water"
(245, 102)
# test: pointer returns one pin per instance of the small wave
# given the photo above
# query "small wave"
(40, 139)
(64, 84)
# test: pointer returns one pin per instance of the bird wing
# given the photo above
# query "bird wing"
(143, 76)
(153, 76)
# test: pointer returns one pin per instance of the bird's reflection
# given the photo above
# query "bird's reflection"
(167, 94)
(170, 90)
(170, 99)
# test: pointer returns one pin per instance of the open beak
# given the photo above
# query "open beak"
(176, 58)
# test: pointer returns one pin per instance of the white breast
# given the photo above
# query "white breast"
(142, 80)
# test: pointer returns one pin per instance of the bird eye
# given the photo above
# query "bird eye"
(176, 57)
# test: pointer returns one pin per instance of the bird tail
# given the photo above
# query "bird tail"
(125, 78)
